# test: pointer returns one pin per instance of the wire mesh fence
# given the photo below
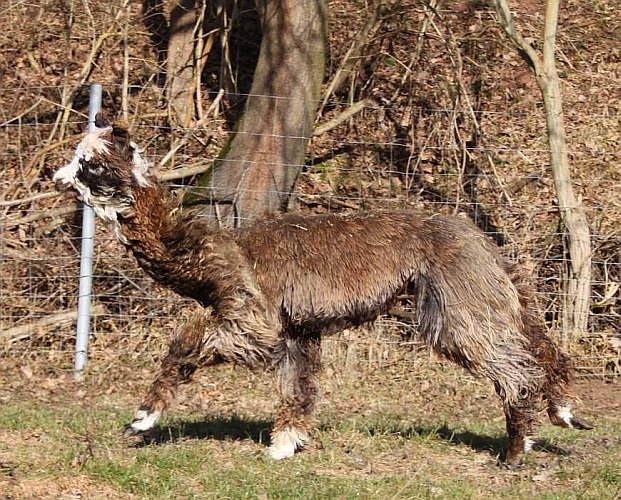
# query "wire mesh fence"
(511, 200)
(452, 122)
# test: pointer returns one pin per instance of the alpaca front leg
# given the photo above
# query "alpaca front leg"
(299, 392)
(182, 360)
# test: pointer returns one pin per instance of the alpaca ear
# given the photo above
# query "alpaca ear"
(121, 139)
(102, 120)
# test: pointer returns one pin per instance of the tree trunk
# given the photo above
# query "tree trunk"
(180, 63)
(577, 282)
(577, 274)
(264, 158)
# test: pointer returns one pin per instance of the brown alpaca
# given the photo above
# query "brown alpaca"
(270, 291)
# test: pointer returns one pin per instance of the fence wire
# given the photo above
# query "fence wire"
(513, 200)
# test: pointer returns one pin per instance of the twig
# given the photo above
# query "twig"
(67, 100)
(22, 332)
(198, 58)
(227, 75)
(45, 214)
(40, 196)
(125, 82)
(340, 118)
(352, 54)
(180, 173)
(22, 114)
(417, 49)
(188, 134)
(45, 150)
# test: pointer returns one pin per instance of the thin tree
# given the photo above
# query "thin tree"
(576, 293)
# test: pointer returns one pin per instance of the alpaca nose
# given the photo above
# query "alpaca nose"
(61, 185)
(61, 178)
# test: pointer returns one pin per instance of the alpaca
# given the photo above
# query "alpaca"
(269, 291)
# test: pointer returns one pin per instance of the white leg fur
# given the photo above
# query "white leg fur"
(143, 421)
(286, 442)
(528, 444)
(565, 414)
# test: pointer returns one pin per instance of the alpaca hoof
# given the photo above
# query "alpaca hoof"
(510, 466)
(143, 421)
(581, 424)
(515, 454)
(129, 431)
(286, 442)
(563, 417)
(280, 452)
(513, 462)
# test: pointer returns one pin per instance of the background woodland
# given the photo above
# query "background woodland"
(421, 104)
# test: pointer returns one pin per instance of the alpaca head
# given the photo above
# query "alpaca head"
(106, 170)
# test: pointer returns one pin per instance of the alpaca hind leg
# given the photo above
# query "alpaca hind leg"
(559, 396)
(299, 391)
(178, 366)
(503, 358)
(563, 416)
(557, 387)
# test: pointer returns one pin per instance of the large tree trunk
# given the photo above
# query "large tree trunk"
(180, 63)
(258, 173)
(577, 275)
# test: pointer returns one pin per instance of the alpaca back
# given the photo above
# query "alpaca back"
(331, 269)
(331, 266)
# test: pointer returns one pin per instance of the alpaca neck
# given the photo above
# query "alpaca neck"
(141, 230)
(162, 244)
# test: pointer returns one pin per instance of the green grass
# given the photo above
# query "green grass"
(373, 440)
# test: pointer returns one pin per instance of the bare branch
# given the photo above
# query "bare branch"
(22, 332)
(505, 19)
(180, 173)
(340, 118)
(352, 54)
(44, 214)
(40, 196)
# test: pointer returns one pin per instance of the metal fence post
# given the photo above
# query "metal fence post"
(86, 258)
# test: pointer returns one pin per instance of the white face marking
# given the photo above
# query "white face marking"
(143, 421)
(93, 144)
(286, 442)
(564, 413)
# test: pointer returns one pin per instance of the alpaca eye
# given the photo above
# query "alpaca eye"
(94, 168)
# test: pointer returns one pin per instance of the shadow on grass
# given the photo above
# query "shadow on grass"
(494, 445)
(220, 428)
(237, 428)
